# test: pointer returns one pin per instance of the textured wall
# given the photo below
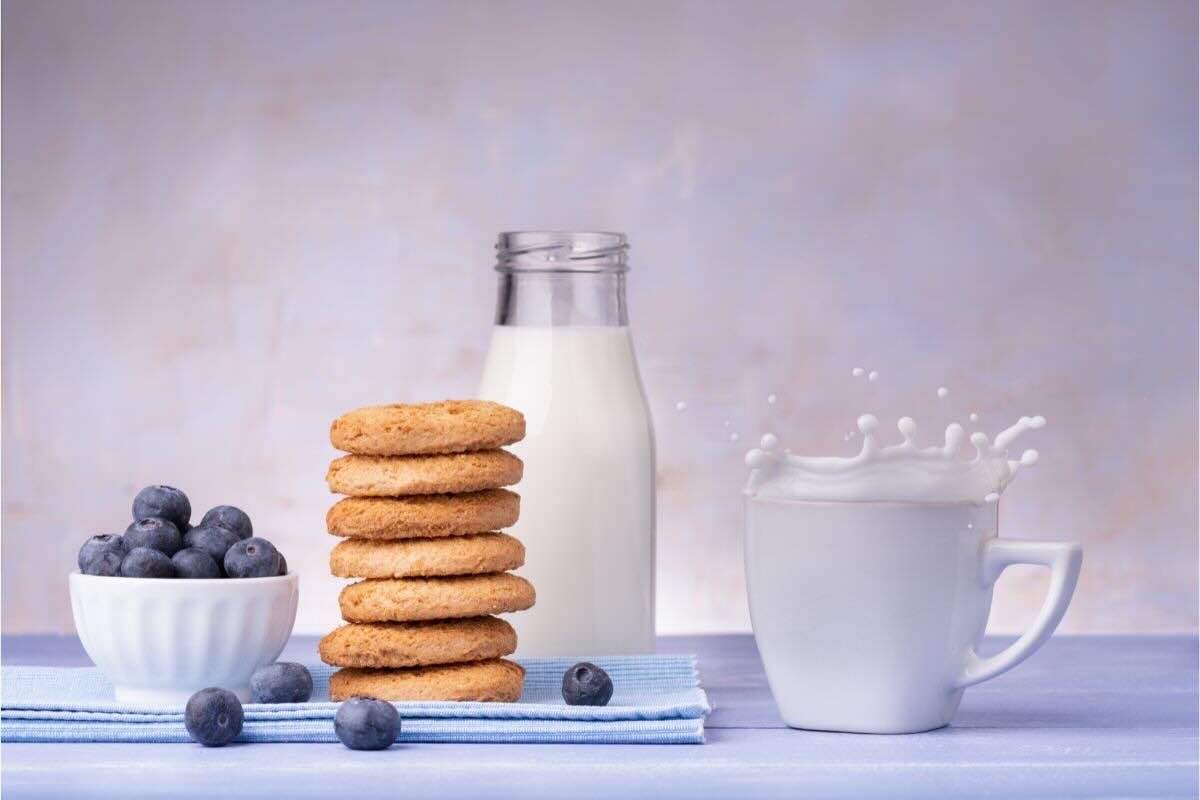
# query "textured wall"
(224, 223)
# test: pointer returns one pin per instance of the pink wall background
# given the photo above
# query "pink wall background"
(226, 222)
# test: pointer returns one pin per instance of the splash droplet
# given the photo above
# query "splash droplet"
(942, 392)
(991, 498)
(858, 372)
(974, 417)
(771, 399)
(872, 376)
(733, 437)
(681, 406)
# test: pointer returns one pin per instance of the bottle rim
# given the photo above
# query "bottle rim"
(561, 251)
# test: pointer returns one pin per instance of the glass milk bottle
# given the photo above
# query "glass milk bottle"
(562, 354)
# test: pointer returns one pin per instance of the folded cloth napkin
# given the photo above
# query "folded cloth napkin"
(657, 700)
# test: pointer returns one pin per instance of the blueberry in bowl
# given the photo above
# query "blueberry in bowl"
(230, 518)
(155, 533)
(106, 547)
(193, 563)
(106, 564)
(164, 502)
(146, 562)
(212, 539)
(252, 558)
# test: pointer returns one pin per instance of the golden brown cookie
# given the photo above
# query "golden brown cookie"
(423, 515)
(448, 426)
(496, 681)
(414, 644)
(407, 599)
(445, 555)
(391, 476)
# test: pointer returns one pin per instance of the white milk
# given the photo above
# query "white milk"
(587, 496)
(902, 472)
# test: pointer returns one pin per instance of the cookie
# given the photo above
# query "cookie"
(407, 599)
(496, 681)
(446, 555)
(414, 644)
(448, 426)
(423, 515)
(390, 476)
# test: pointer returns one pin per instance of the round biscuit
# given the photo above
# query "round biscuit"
(391, 476)
(495, 680)
(408, 599)
(446, 555)
(414, 644)
(447, 426)
(423, 515)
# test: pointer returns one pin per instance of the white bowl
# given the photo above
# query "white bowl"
(159, 640)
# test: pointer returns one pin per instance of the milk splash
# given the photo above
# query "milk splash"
(901, 472)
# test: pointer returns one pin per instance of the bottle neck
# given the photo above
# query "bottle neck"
(561, 299)
(559, 279)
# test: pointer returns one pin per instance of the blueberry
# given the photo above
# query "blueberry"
(142, 562)
(212, 539)
(282, 682)
(230, 518)
(99, 545)
(155, 533)
(164, 502)
(585, 684)
(213, 717)
(192, 563)
(282, 565)
(365, 724)
(107, 563)
(252, 558)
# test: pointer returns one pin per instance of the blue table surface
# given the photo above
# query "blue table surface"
(1085, 717)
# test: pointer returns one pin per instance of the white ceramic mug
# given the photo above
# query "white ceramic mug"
(868, 615)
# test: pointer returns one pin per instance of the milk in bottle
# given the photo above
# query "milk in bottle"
(562, 354)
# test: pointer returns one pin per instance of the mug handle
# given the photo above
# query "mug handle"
(1063, 559)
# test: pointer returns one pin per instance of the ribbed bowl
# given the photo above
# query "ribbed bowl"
(160, 640)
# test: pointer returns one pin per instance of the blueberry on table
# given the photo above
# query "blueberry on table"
(213, 717)
(164, 502)
(144, 562)
(107, 564)
(212, 539)
(252, 558)
(585, 684)
(156, 533)
(231, 518)
(365, 724)
(282, 682)
(97, 546)
(193, 563)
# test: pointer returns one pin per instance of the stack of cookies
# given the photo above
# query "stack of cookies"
(425, 501)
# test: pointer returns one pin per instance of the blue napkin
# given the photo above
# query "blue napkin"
(657, 700)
